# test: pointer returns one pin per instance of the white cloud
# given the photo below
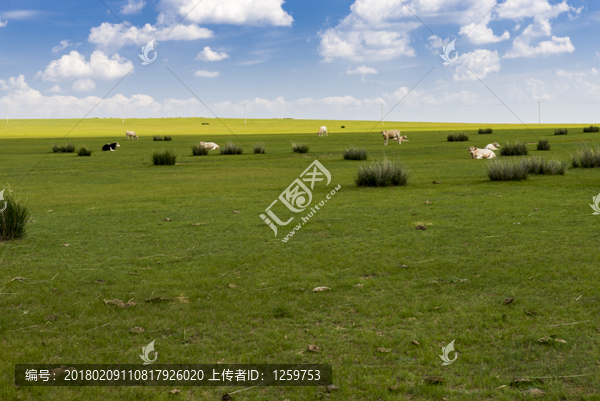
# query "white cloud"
(55, 88)
(362, 70)
(235, 12)
(74, 65)
(3, 23)
(482, 34)
(206, 74)
(83, 85)
(482, 62)
(208, 55)
(19, 14)
(63, 45)
(522, 48)
(133, 7)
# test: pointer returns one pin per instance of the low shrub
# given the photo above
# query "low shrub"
(259, 148)
(164, 158)
(561, 131)
(537, 165)
(508, 170)
(199, 150)
(231, 149)
(485, 130)
(382, 173)
(167, 138)
(461, 137)
(586, 157)
(300, 147)
(67, 148)
(543, 144)
(83, 151)
(591, 128)
(514, 149)
(354, 153)
(13, 220)
(343, 126)
(158, 138)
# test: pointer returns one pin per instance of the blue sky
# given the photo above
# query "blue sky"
(339, 59)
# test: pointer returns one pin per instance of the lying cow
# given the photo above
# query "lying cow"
(323, 131)
(110, 147)
(130, 134)
(481, 153)
(210, 145)
(393, 134)
(493, 146)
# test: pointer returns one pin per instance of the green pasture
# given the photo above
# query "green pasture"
(235, 293)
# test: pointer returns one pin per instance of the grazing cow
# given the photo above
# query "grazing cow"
(493, 146)
(110, 147)
(210, 145)
(393, 134)
(323, 131)
(481, 153)
(131, 134)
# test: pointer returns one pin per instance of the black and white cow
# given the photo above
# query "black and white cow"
(110, 147)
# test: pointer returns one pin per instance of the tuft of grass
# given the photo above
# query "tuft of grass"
(537, 165)
(382, 173)
(167, 138)
(164, 158)
(460, 137)
(259, 148)
(561, 131)
(508, 170)
(354, 153)
(586, 157)
(514, 149)
(83, 151)
(591, 128)
(485, 130)
(199, 150)
(232, 149)
(280, 312)
(13, 220)
(300, 147)
(543, 144)
(158, 138)
(67, 148)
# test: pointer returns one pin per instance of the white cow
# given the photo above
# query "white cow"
(210, 145)
(393, 134)
(131, 134)
(481, 153)
(323, 131)
(493, 146)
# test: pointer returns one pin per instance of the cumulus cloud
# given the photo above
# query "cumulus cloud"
(74, 66)
(362, 70)
(83, 85)
(481, 33)
(133, 7)
(206, 74)
(522, 48)
(63, 45)
(208, 55)
(3, 23)
(482, 62)
(55, 88)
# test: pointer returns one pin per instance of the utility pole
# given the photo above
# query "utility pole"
(244, 112)
(122, 113)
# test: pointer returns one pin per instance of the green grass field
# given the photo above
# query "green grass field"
(535, 241)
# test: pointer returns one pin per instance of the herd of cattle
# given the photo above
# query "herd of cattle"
(394, 134)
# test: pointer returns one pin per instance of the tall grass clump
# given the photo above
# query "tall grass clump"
(382, 173)
(591, 128)
(158, 138)
(231, 149)
(585, 157)
(537, 165)
(543, 144)
(83, 151)
(354, 153)
(485, 130)
(199, 150)
(561, 131)
(514, 149)
(259, 148)
(66, 148)
(13, 220)
(167, 138)
(164, 158)
(300, 147)
(461, 137)
(508, 170)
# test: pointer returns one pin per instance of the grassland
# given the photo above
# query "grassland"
(534, 241)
